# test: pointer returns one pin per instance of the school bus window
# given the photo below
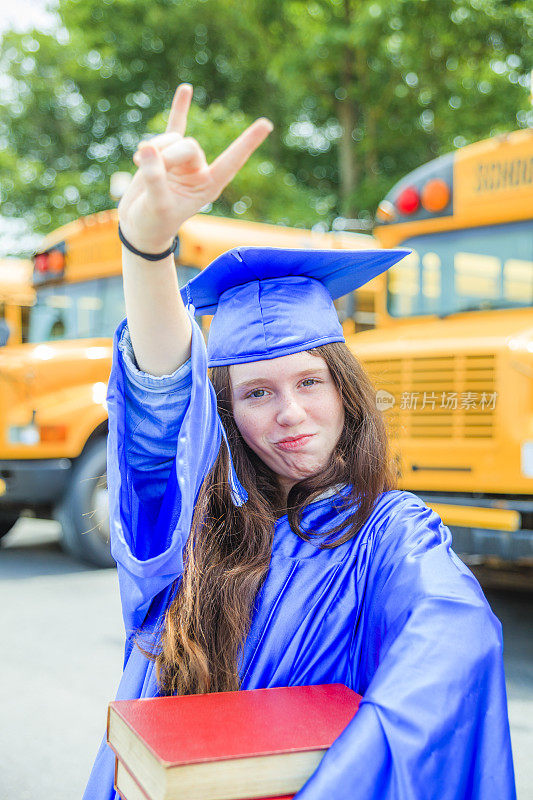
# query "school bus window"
(114, 308)
(431, 275)
(465, 269)
(88, 308)
(51, 316)
(404, 285)
(71, 311)
(345, 306)
(57, 331)
(518, 281)
(476, 276)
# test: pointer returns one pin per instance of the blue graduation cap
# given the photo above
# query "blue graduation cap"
(270, 302)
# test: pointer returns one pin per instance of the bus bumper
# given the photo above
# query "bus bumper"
(506, 545)
(30, 483)
(489, 527)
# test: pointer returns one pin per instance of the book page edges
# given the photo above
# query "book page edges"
(126, 785)
(233, 779)
(138, 758)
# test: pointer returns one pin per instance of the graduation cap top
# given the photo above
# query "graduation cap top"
(270, 302)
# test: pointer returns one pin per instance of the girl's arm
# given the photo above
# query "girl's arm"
(173, 182)
(159, 450)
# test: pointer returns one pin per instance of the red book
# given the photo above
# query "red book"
(129, 789)
(228, 745)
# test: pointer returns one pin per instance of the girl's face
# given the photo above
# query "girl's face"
(289, 412)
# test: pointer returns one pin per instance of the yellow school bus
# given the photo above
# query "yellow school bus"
(53, 416)
(452, 354)
(16, 297)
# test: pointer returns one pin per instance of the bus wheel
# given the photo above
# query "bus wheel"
(84, 512)
(7, 520)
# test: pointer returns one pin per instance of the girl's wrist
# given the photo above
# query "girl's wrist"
(159, 253)
(150, 245)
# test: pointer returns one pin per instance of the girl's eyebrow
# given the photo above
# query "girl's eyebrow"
(255, 381)
(245, 384)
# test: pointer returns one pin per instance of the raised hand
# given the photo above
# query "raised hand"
(174, 180)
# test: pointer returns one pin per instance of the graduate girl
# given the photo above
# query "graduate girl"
(258, 536)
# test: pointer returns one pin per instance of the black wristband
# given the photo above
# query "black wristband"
(148, 256)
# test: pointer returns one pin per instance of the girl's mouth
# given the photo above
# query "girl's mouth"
(294, 443)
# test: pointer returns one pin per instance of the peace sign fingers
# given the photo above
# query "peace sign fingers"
(177, 119)
(174, 180)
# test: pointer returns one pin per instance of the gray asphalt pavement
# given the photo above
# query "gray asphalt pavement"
(62, 656)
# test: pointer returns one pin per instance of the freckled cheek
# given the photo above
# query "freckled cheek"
(250, 428)
(332, 416)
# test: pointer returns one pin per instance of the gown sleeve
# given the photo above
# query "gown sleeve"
(433, 721)
(154, 410)
(164, 437)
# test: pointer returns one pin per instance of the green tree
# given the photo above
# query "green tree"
(390, 84)
(82, 100)
(360, 92)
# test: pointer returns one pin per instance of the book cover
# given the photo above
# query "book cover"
(258, 743)
(225, 725)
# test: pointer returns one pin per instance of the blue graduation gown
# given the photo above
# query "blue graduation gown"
(393, 613)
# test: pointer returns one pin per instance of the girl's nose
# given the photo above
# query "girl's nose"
(290, 412)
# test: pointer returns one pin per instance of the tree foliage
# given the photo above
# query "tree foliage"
(360, 92)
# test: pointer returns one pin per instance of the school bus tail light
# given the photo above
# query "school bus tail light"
(408, 200)
(49, 265)
(435, 195)
(51, 262)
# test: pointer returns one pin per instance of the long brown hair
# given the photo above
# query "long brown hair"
(229, 548)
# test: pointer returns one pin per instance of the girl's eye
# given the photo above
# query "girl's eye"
(309, 381)
(257, 393)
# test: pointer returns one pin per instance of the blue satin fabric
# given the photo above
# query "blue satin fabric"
(393, 613)
(270, 319)
(270, 302)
